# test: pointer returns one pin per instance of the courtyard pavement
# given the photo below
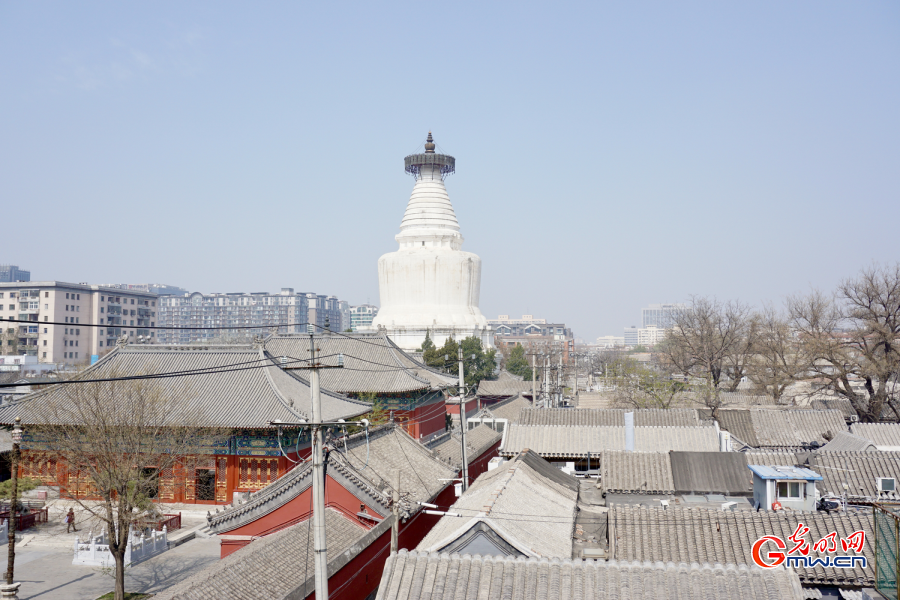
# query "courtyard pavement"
(44, 560)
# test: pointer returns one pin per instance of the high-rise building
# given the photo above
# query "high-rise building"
(251, 314)
(361, 316)
(76, 307)
(429, 286)
(12, 273)
(660, 315)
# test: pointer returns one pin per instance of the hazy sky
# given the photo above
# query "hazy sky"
(609, 155)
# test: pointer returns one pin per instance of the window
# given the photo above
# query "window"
(67, 308)
(46, 319)
(67, 319)
(789, 490)
(132, 300)
(46, 295)
(45, 342)
(45, 355)
(101, 309)
(77, 320)
(77, 332)
(46, 306)
(76, 355)
(67, 331)
(101, 343)
(1, 294)
(77, 309)
(67, 295)
(76, 342)
(78, 296)
(45, 330)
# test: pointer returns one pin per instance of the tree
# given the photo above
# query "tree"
(114, 438)
(477, 363)
(24, 484)
(444, 358)
(710, 339)
(638, 386)
(427, 344)
(779, 359)
(517, 363)
(854, 335)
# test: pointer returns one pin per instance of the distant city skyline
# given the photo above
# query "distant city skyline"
(634, 154)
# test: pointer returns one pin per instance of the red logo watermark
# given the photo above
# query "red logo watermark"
(798, 555)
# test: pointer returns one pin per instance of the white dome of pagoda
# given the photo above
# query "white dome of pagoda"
(430, 285)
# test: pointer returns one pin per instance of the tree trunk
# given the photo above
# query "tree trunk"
(12, 522)
(120, 574)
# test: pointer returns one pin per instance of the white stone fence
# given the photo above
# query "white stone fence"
(95, 551)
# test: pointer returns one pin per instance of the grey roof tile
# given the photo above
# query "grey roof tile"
(883, 435)
(795, 428)
(636, 472)
(701, 535)
(858, 470)
(711, 473)
(844, 442)
(274, 567)
(738, 424)
(611, 417)
(507, 409)
(421, 575)
(576, 441)
(842, 404)
(771, 458)
(448, 447)
(248, 390)
(372, 363)
(496, 499)
(503, 388)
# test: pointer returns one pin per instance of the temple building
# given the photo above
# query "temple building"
(429, 285)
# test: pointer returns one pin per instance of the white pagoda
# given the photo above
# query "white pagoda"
(430, 285)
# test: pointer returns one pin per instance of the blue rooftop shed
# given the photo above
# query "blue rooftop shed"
(791, 487)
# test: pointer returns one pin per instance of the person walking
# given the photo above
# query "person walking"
(70, 520)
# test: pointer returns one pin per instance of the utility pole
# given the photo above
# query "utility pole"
(533, 378)
(462, 422)
(575, 395)
(395, 509)
(559, 389)
(318, 460)
(319, 543)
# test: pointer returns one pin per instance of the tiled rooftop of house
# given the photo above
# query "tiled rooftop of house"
(419, 575)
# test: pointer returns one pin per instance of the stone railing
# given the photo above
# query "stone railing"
(95, 551)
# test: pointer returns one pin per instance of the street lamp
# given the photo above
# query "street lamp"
(10, 589)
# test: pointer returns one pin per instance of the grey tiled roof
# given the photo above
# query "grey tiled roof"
(277, 566)
(515, 488)
(858, 470)
(5, 441)
(611, 417)
(844, 442)
(738, 424)
(421, 575)
(700, 535)
(448, 447)
(795, 428)
(842, 404)
(390, 449)
(771, 458)
(503, 388)
(576, 441)
(711, 473)
(880, 434)
(636, 472)
(508, 409)
(243, 394)
(372, 363)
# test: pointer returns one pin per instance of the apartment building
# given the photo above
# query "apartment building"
(90, 319)
(250, 314)
(362, 316)
(660, 315)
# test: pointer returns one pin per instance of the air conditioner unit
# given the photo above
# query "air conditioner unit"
(885, 484)
(854, 418)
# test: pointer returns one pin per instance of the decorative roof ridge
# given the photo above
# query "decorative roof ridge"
(289, 482)
(391, 347)
(344, 466)
(167, 348)
(305, 381)
(413, 360)
(284, 401)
